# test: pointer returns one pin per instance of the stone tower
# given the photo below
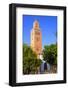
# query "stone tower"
(36, 38)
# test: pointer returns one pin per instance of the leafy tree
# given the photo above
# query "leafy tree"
(30, 61)
(50, 54)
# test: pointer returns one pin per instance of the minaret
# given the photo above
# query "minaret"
(36, 38)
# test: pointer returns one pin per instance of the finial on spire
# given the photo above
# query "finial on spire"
(36, 24)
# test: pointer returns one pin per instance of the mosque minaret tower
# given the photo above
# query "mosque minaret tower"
(36, 38)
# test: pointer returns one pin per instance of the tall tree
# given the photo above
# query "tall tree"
(30, 61)
(50, 54)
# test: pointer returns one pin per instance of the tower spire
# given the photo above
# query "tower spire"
(36, 25)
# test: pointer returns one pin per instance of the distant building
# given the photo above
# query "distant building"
(36, 38)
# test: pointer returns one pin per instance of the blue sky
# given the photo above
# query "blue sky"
(48, 25)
